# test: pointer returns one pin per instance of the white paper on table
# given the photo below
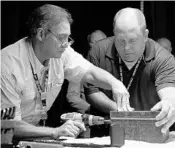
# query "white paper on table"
(96, 140)
(170, 143)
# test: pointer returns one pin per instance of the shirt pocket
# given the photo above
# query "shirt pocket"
(29, 91)
(56, 86)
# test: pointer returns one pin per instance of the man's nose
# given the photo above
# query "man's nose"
(64, 45)
(127, 46)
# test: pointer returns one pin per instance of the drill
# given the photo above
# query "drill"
(85, 118)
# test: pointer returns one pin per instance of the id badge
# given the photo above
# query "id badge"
(44, 96)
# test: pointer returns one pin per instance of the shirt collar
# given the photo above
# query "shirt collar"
(149, 52)
(111, 51)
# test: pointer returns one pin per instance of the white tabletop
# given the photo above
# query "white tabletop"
(170, 143)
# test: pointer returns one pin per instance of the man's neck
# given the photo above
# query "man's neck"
(38, 52)
(130, 65)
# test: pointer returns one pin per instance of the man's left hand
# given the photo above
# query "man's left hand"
(166, 117)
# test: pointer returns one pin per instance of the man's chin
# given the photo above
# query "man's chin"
(128, 59)
(57, 56)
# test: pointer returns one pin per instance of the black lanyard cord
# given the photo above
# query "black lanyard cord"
(40, 90)
(35, 76)
(133, 74)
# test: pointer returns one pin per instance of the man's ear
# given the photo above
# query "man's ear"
(146, 34)
(40, 34)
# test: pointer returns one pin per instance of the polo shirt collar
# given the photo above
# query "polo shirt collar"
(149, 52)
(111, 51)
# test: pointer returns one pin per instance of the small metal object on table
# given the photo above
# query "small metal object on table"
(7, 126)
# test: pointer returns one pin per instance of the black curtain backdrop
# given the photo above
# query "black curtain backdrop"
(88, 16)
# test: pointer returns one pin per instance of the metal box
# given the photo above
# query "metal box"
(137, 125)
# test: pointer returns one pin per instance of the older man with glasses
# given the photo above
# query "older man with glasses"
(63, 42)
(34, 68)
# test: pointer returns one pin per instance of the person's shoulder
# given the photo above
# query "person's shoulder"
(15, 49)
(156, 49)
(69, 52)
(160, 54)
(14, 53)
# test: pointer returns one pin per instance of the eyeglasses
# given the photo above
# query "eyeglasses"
(63, 42)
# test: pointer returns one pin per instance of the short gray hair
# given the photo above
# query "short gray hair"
(46, 17)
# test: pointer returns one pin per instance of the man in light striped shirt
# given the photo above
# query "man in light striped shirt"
(23, 65)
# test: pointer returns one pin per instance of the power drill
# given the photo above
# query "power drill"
(85, 118)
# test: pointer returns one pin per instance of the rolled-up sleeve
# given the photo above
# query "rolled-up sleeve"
(9, 95)
(75, 66)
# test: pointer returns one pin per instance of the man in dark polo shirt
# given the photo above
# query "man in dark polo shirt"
(146, 69)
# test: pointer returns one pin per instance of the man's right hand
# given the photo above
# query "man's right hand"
(69, 128)
(121, 97)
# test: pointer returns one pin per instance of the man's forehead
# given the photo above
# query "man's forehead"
(133, 32)
(127, 25)
(63, 28)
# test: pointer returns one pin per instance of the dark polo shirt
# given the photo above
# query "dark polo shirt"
(156, 71)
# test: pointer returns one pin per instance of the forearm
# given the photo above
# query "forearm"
(101, 102)
(25, 130)
(76, 102)
(167, 94)
(100, 78)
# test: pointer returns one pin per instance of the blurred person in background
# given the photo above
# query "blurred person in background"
(95, 36)
(165, 43)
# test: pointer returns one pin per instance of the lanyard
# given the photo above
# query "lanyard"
(38, 85)
(133, 74)
(43, 96)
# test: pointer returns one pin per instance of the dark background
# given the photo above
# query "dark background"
(88, 16)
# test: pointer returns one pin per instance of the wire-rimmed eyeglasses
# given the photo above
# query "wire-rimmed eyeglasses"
(69, 41)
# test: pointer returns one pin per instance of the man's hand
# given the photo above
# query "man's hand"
(69, 128)
(121, 97)
(166, 117)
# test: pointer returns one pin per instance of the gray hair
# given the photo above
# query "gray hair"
(46, 17)
(139, 15)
